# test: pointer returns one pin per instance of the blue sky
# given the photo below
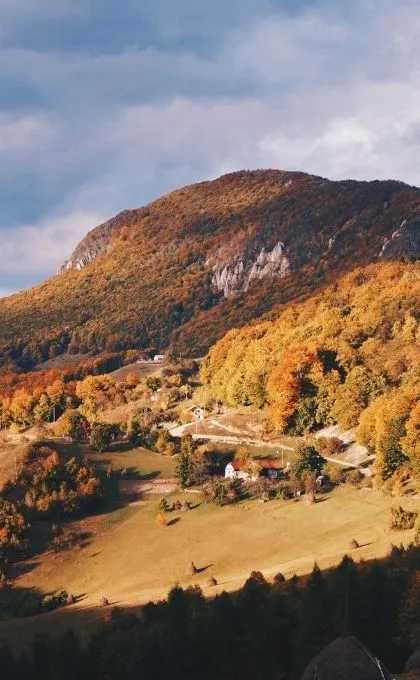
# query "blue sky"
(105, 105)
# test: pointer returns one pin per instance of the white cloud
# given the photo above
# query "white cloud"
(39, 249)
(23, 135)
(332, 93)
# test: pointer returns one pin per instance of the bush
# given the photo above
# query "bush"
(283, 491)
(223, 492)
(354, 478)
(401, 519)
(329, 446)
(335, 473)
(163, 505)
(50, 602)
(161, 520)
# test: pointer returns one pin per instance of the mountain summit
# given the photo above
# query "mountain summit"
(205, 258)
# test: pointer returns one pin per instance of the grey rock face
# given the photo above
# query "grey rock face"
(239, 272)
(404, 242)
(96, 242)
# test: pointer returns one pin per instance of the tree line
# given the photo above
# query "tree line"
(265, 631)
(349, 356)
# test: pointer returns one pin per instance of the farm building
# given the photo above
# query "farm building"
(158, 357)
(262, 467)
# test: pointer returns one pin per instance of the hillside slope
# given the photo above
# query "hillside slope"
(206, 258)
(349, 355)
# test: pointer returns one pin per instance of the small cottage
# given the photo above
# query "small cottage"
(158, 357)
(252, 470)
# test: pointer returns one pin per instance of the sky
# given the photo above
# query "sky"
(106, 105)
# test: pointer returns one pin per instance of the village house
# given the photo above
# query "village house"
(264, 467)
(159, 358)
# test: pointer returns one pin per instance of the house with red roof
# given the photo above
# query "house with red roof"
(253, 469)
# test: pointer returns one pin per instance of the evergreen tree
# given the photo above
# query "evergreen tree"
(184, 468)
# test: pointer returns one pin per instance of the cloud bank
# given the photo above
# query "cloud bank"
(107, 108)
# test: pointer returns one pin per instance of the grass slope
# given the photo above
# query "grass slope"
(130, 560)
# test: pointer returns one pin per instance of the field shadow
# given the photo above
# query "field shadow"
(21, 568)
(200, 570)
(173, 521)
(150, 476)
(80, 597)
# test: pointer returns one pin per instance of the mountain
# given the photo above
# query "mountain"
(183, 270)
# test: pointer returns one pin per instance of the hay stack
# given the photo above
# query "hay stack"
(185, 506)
(353, 545)
(211, 582)
(177, 504)
(345, 659)
(191, 570)
(310, 497)
(103, 602)
(70, 599)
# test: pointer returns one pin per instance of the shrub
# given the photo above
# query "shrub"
(223, 492)
(354, 478)
(164, 443)
(335, 473)
(401, 519)
(50, 602)
(161, 520)
(329, 446)
(163, 505)
(283, 491)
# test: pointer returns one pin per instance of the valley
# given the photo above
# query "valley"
(130, 560)
(217, 398)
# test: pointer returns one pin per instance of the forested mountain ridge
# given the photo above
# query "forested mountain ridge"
(212, 256)
(349, 355)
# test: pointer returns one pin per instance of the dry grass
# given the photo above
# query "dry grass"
(11, 456)
(132, 560)
(143, 370)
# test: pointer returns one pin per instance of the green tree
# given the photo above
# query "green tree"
(102, 435)
(153, 383)
(308, 460)
(73, 424)
(184, 468)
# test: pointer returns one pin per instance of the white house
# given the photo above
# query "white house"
(158, 357)
(264, 467)
(234, 470)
